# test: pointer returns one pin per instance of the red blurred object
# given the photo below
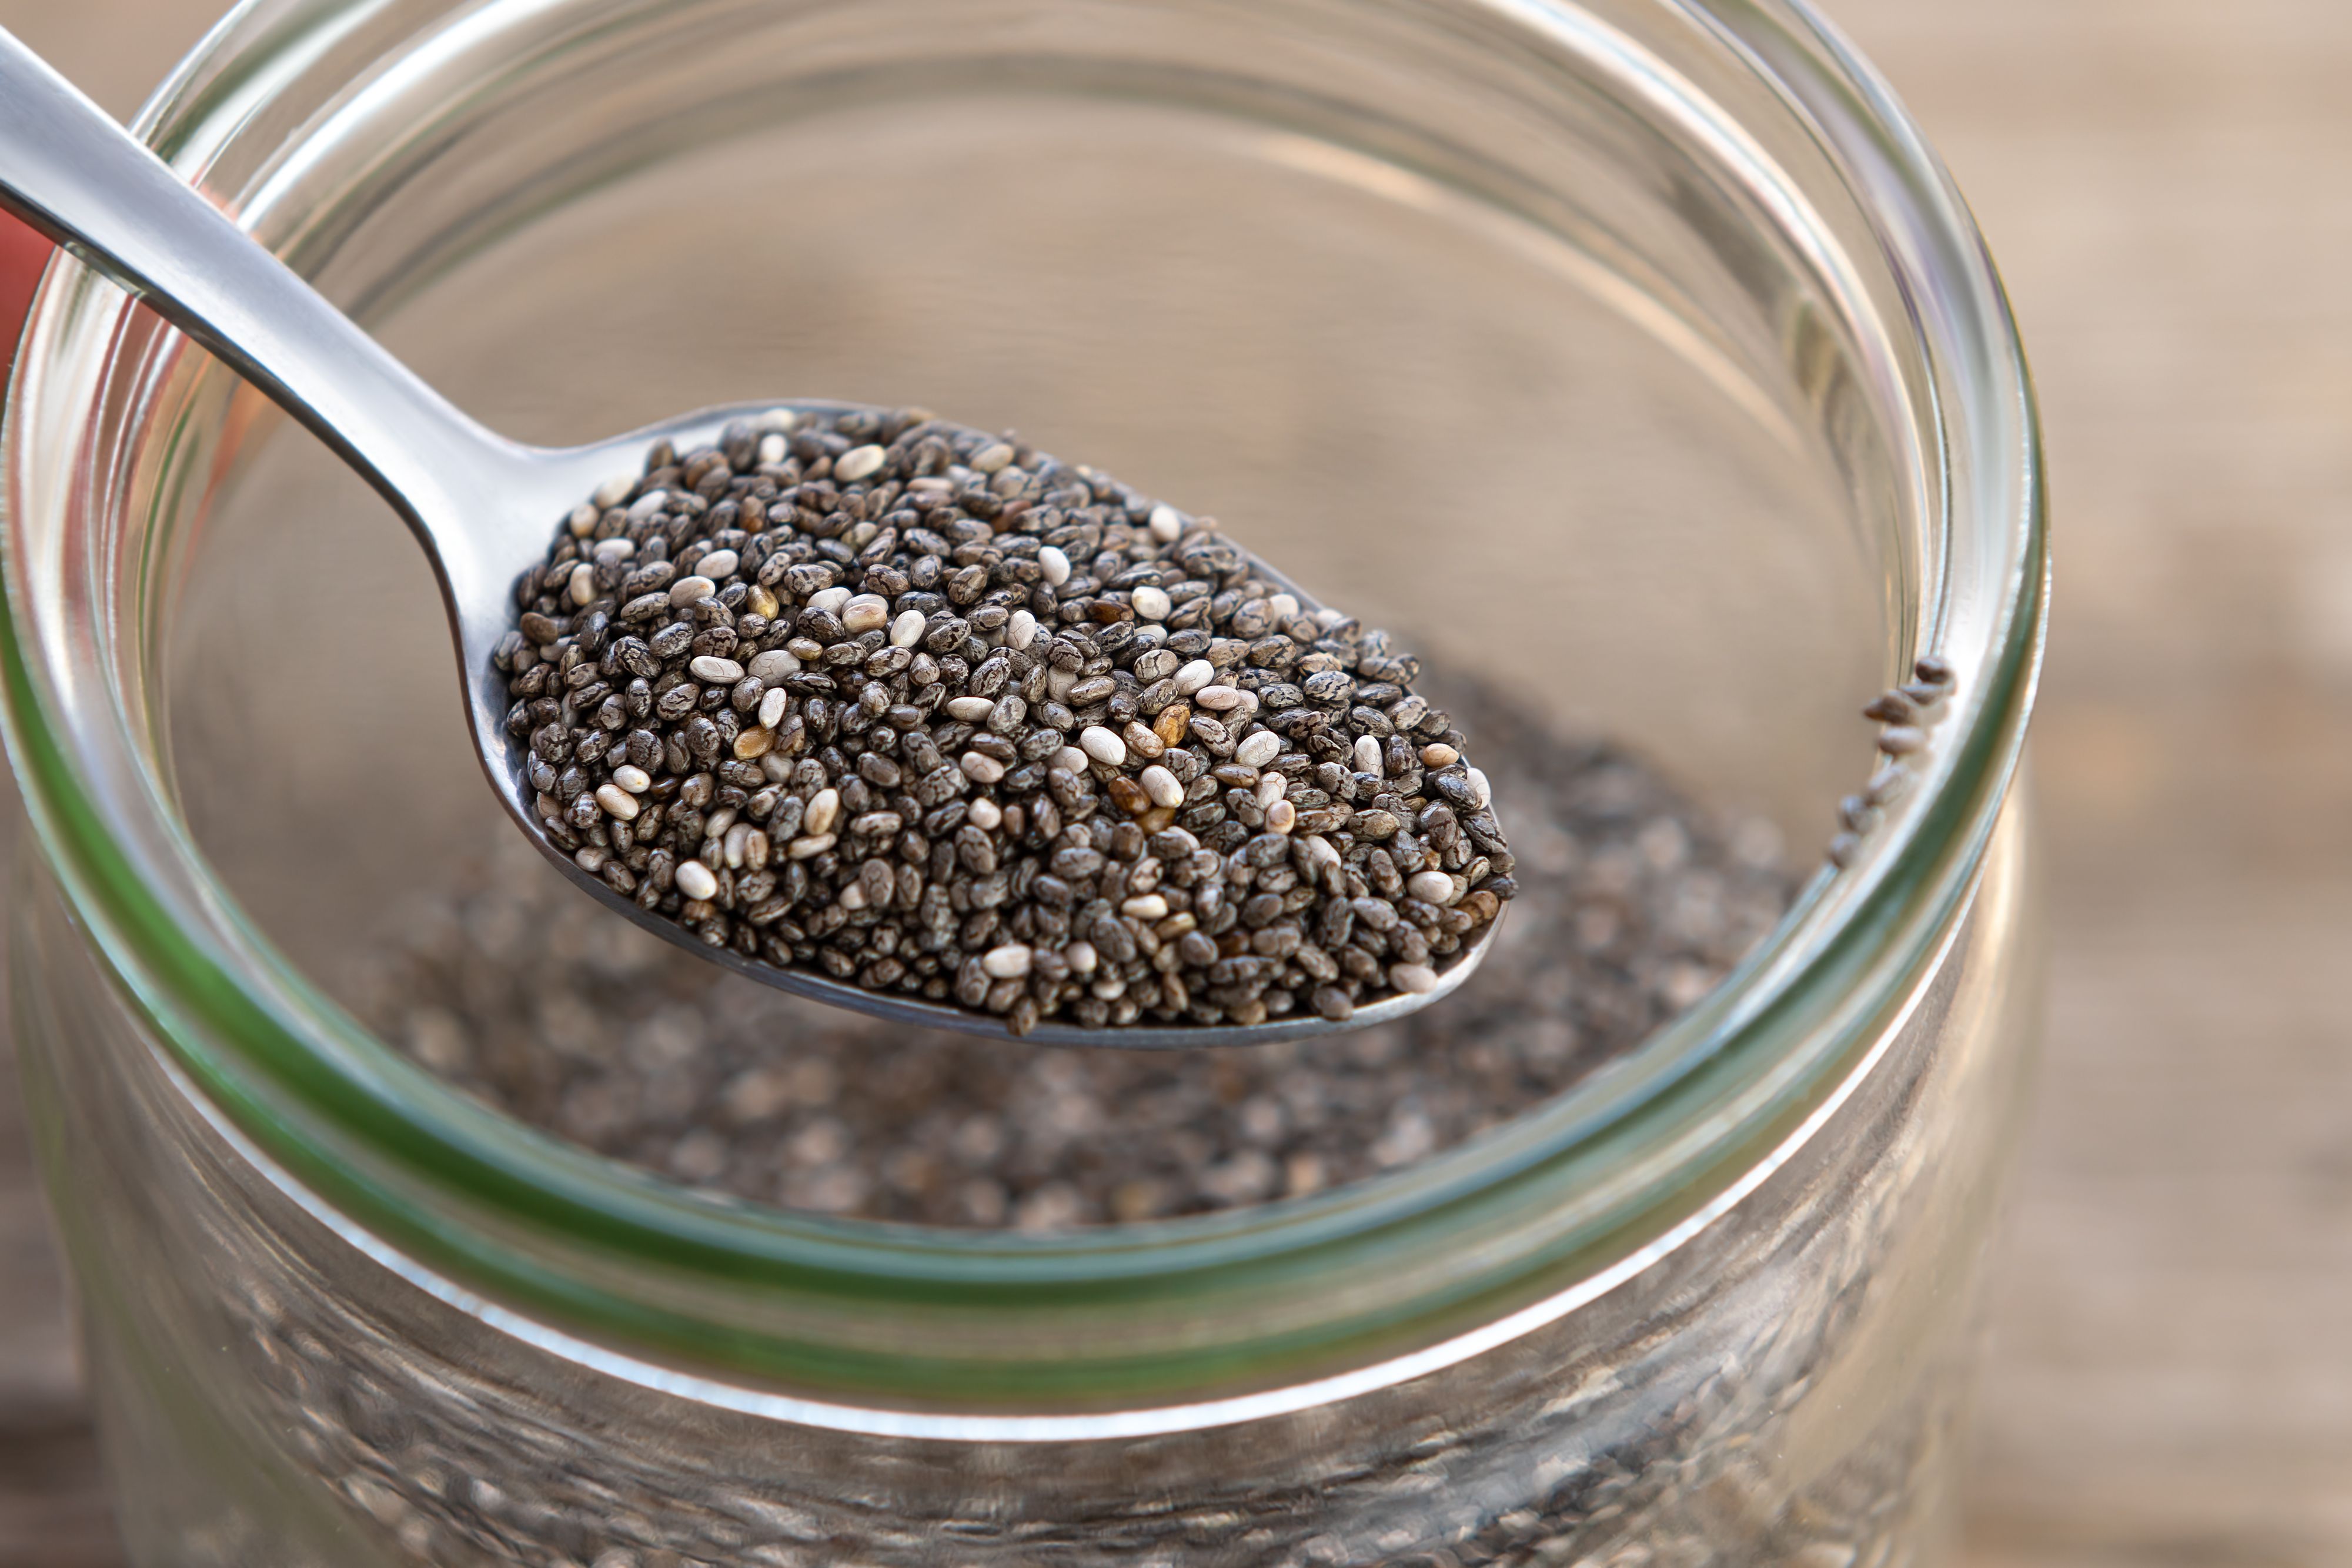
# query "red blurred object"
(23, 254)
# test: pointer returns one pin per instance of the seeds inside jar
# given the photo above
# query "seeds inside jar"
(509, 984)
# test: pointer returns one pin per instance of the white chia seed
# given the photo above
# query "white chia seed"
(860, 462)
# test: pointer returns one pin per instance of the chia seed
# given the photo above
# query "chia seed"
(928, 711)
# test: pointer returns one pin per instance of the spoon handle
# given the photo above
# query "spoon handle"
(70, 170)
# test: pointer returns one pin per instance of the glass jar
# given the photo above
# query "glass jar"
(1662, 307)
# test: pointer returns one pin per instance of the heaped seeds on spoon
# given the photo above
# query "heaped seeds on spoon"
(925, 710)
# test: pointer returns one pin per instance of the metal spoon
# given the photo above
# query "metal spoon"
(484, 507)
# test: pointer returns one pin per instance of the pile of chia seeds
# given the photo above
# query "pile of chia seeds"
(514, 986)
(924, 709)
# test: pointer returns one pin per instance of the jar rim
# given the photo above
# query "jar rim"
(614, 1264)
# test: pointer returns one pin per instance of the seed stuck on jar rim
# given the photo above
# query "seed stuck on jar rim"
(1905, 714)
(931, 712)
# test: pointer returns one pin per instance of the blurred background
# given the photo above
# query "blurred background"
(2168, 187)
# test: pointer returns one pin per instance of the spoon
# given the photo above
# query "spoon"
(483, 507)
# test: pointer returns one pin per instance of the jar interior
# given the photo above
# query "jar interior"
(1545, 401)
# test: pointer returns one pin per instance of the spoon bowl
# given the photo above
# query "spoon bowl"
(544, 484)
(484, 507)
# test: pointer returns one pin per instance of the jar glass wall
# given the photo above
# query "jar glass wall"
(1633, 359)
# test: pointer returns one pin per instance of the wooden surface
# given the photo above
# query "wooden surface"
(2168, 188)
